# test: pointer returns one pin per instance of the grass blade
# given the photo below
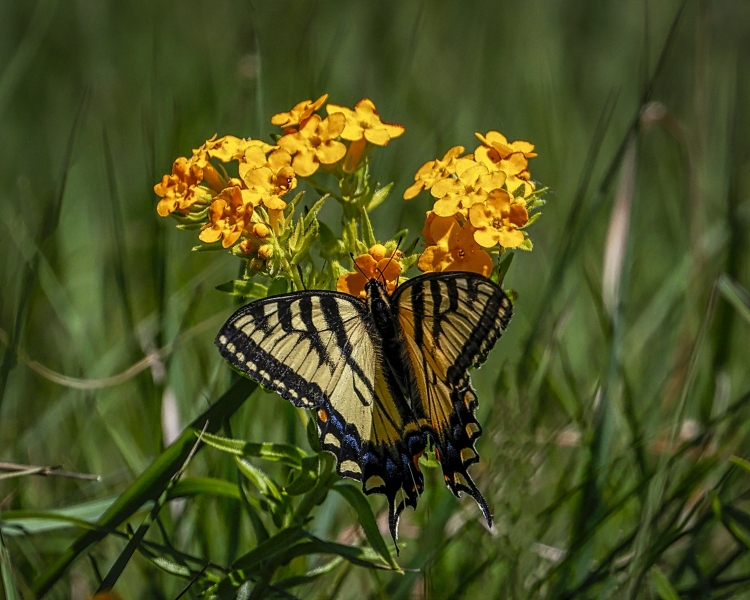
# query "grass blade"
(149, 484)
(6, 570)
(366, 518)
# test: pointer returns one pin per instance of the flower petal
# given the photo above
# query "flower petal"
(518, 215)
(413, 190)
(378, 136)
(329, 153)
(306, 163)
(447, 206)
(486, 237)
(510, 238)
(352, 283)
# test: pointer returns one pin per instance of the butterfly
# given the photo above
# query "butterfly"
(384, 375)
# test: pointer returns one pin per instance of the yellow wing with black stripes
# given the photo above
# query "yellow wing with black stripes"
(449, 322)
(320, 350)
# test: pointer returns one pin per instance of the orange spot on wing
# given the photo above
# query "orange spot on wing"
(323, 415)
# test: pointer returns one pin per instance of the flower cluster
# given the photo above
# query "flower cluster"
(236, 192)
(482, 202)
(247, 212)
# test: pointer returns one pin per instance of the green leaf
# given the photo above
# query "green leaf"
(741, 462)
(368, 235)
(6, 571)
(292, 240)
(429, 459)
(269, 548)
(284, 453)
(19, 522)
(244, 288)
(363, 557)
(190, 226)
(152, 482)
(330, 245)
(312, 214)
(304, 480)
(310, 576)
(208, 486)
(499, 272)
(532, 218)
(526, 244)
(304, 245)
(379, 196)
(409, 261)
(357, 500)
(278, 286)
(662, 585)
(192, 219)
(260, 480)
(312, 435)
(519, 191)
(208, 247)
(736, 295)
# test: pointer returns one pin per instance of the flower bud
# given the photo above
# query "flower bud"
(261, 230)
(377, 252)
(265, 251)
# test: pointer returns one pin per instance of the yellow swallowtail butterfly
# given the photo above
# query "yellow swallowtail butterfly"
(382, 375)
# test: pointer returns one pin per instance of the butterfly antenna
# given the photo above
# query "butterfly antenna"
(393, 255)
(356, 266)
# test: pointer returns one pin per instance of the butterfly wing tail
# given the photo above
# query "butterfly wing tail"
(456, 451)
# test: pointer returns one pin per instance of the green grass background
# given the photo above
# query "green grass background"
(608, 432)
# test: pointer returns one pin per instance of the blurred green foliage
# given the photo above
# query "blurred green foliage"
(615, 408)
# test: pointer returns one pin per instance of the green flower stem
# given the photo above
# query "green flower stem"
(286, 264)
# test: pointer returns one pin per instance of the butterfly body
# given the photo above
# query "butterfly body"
(383, 375)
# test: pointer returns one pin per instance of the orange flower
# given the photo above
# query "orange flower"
(230, 213)
(472, 184)
(268, 178)
(314, 144)
(498, 220)
(178, 190)
(364, 122)
(373, 265)
(298, 115)
(433, 171)
(455, 249)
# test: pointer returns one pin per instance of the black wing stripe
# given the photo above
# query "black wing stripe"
(332, 316)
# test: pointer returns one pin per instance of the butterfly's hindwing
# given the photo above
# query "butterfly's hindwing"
(449, 323)
(319, 350)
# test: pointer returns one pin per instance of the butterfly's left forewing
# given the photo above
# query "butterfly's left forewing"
(317, 349)
(449, 323)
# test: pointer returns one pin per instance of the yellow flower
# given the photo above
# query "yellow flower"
(472, 184)
(433, 171)
(268, 178)
(455, 249)
(230, 213)
(497, 154)
(314, 144)
(498, 142)
(298, 115)
(178, 191)
(498, 220)
(230, 147)
(373, 265)
(364, 122)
